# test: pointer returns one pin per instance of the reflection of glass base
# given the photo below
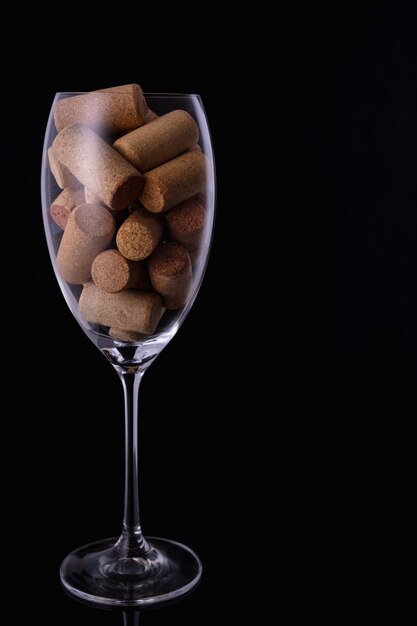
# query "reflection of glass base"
(98, 573)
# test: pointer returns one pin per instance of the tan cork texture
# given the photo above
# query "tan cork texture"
(89, 231)
(66, 202)
(139, 235)
(62, 175)
(111, 272)
(98, 166)
(159, 141)
(92, 198)
(129, 335)
(151, 116)
(186, 224)
(170, 274)
(175, 181)
(115, 110)
(125, 335)
(128, 310)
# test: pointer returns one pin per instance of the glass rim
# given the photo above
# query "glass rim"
(150, 94)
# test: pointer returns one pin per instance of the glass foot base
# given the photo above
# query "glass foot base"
(98, 573)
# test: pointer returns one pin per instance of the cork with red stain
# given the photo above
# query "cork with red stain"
(66, 202)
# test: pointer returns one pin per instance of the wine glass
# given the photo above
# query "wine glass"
(129, 253)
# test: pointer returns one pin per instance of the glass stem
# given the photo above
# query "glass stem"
(131, 542)
(131, 618)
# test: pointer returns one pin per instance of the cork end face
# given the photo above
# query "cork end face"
(139, 235)
(128, 192)
(170, 272)
(60, 216)
(110, 271)
(66, 202)
(170, 259)
(188, 218)
(152, 196)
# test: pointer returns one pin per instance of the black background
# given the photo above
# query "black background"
(278, 429)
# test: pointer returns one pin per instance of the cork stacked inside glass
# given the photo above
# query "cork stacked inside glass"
(131, 210)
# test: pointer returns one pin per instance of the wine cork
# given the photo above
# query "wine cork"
(159, 141)
(66, 202)
(170, 274)
(125, 335)
(151, 116)
(173, 182)
(62, 175)
(111, 272)
(90, 228)
(186, 225)
(203, 196)
(129, 335)
(128, 310)
(113, 110)
(139, 235)
(98, 166)
(92, 198)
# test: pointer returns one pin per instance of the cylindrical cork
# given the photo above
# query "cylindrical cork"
(151, 116)
(92, 198)
(186, 225)
(114, 110)
(130, 310)
(66, 202)
(98, 166)
(112, 272)
(62, 175)
(89, 230)
(139, 235)
(125, 335)
(174, 181)
(159, 141)
(170, 273)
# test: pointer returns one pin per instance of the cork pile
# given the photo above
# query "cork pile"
(130, 210)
